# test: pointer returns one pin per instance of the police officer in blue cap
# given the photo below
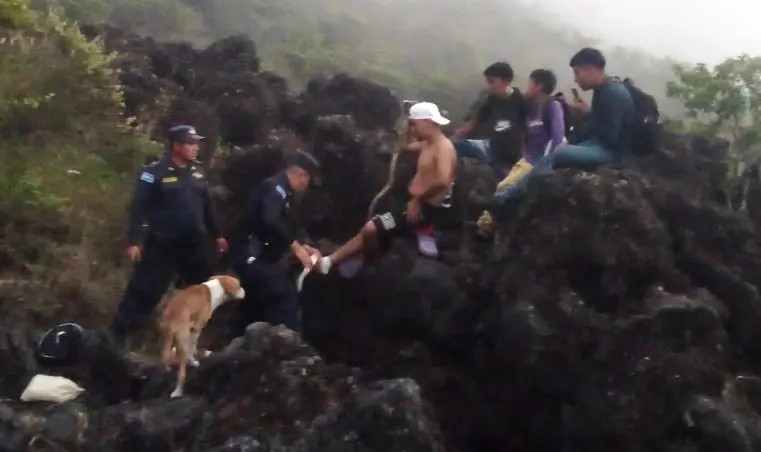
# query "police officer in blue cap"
(266, 233)
(173, 198)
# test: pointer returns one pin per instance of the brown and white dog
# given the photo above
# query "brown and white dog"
(185, 316)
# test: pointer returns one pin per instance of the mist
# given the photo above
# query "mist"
(437, 50)
(692, 30)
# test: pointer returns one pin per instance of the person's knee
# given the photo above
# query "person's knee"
(565, 156)
(460, 144)
(369, 230)
(563, 149)
(477, 149)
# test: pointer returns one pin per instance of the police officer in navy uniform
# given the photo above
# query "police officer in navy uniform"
(265, 234)
(173, 197)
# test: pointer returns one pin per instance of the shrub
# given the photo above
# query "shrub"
(69, 161)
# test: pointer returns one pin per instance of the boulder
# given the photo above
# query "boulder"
(370, 104)
(268, 389)
(618, 309)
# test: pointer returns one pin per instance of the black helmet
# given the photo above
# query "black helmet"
(61, 345)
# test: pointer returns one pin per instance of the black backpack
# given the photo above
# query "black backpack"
(567, 119)
(646, 132)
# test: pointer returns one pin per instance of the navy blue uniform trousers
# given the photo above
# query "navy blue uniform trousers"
(161, 262)
(271, 295)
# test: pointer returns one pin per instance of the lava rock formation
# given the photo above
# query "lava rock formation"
(618, 309)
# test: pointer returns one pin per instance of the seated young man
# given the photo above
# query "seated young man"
(430, 193)
(503, 111)
(545, 125)
(611, 120)
(545, 130)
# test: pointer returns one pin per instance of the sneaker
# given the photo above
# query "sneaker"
(426, 244)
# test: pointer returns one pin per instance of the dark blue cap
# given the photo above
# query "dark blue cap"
(308, 163)
(183, 134)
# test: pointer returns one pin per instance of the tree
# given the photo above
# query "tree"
(724, 101)
(15, 14)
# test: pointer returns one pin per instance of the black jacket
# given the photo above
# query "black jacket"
(266, 225)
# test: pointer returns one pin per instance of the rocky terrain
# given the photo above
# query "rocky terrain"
(618, 309)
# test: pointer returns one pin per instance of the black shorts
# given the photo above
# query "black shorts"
(394, 223)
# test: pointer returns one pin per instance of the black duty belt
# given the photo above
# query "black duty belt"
(190, 238)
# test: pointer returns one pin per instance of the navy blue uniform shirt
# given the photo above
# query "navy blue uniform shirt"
(175, 201)
(267, 219)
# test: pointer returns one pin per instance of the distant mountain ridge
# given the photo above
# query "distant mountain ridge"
(420, 49)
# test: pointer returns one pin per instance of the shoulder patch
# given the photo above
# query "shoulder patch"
(282, 191)
(147, 177)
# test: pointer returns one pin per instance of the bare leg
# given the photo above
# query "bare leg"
(358, 244)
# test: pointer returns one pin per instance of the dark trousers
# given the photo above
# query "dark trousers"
(162, 260)
(271, 296)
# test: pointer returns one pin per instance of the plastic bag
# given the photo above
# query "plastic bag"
(47, 388)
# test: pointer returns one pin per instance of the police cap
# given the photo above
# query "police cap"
(308, 163)
(183, 134)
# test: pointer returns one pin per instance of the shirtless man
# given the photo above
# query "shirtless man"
(430, 189)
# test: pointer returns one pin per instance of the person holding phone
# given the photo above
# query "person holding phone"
(610, 121)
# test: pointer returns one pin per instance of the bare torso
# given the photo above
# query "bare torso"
(435, 156)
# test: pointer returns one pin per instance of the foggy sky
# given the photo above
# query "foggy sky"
(692, 30)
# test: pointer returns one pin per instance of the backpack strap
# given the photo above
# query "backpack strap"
(547, 116)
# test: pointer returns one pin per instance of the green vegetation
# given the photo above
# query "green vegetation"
(68, 159)
(724, 101)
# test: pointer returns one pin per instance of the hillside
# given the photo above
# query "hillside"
(618, 309)
(400, 44)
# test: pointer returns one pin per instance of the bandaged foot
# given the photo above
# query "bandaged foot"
(192, 362)
(324, 265)
(176, 393)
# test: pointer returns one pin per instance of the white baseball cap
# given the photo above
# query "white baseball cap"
(427, 110)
